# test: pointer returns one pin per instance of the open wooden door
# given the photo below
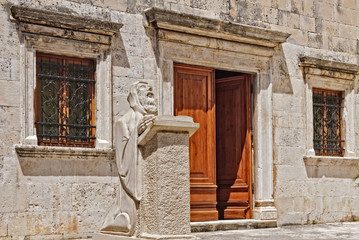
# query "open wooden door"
(233, 134)
(194, 97)
(222, 107)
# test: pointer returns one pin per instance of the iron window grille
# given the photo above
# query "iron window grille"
(64, 101)
(327, 120)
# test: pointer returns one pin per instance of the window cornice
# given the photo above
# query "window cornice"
(64, 26)
(62, 20)
(328, 68)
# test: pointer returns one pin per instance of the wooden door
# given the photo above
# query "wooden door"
(233, 137)
(194, 96)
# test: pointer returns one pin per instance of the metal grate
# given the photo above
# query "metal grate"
(327, 120)
(64, 101)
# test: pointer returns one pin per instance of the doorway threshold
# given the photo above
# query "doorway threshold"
(238, 224)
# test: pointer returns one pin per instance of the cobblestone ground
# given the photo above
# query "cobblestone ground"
(332, 231)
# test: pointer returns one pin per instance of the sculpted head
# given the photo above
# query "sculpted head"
(142, 98)
(146, 97)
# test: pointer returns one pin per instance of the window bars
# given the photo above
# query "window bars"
(64, 101)
(327, 122)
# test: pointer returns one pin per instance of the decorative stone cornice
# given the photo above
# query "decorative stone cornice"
(62, 20)
(331, 67)
(35, 22)
(170, 20)
(168, 124)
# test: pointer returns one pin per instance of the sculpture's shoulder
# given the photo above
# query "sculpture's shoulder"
(127, 118)
(127, 123)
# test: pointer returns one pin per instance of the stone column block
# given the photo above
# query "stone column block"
(165, 206)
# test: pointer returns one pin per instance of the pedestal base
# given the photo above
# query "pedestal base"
(169, 237)
(265, 213)
(102, 236)
(264, 210)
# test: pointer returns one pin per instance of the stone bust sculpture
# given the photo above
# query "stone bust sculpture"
(121, 218)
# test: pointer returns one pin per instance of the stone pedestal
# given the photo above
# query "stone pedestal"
(164, 211)
(165, 205)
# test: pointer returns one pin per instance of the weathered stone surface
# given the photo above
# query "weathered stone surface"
(42, 223)
(289, 136)
(7, 140)
(291, 173)
(315, 40)
(48, 198)
(9, 92)
(5, 68)
(289, 155)
(307, 23)
(85, 197)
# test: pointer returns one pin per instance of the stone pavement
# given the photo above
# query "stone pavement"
(331, 231)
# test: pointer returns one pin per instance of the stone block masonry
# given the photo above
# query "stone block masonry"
(65, 196)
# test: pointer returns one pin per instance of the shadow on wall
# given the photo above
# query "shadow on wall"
(119, 56)
(68, 167)
(281, 78)
(152, 36)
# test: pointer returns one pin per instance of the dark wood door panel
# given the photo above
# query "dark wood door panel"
(233, 134)
(194, 97)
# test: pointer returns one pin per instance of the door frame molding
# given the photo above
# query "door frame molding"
(231, 47)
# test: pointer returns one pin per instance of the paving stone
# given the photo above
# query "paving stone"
(337, 231)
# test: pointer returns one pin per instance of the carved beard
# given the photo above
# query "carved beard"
(147, 101)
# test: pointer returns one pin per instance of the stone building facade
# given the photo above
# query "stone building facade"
(293, 52)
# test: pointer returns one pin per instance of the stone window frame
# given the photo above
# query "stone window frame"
(336, 76)
(61, 126)
(68, 35)
(324, 119)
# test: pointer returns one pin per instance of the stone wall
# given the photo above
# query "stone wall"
(73, 205)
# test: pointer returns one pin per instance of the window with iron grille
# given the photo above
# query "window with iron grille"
(64, 101)
(327, 120)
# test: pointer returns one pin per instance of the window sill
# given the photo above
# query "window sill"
(68, 153)
(333, 167)
(66, 161)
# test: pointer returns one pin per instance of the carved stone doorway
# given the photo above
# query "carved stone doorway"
(220, 151)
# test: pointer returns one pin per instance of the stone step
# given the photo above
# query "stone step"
(239, 224)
